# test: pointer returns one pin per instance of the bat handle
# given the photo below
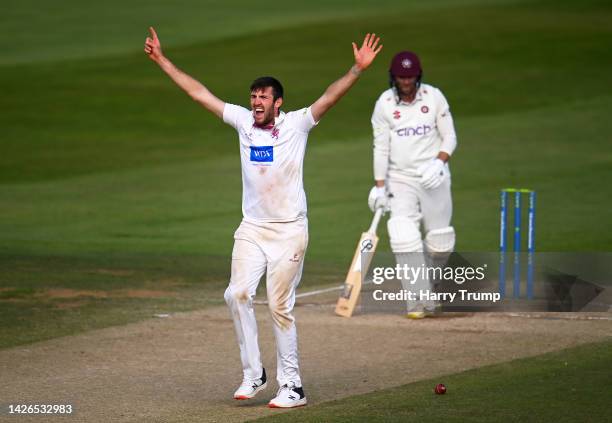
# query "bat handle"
(376, 220)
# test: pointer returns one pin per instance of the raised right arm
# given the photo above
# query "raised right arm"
(192, 87)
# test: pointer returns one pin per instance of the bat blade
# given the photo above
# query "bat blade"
(352, 284)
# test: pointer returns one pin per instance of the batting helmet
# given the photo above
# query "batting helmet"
(405, 63)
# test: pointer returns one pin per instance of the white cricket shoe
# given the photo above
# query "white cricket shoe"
(250, 388)
(288, 396)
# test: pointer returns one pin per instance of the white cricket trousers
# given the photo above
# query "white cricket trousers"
(430, 208)
(427, 210)
(276, 249)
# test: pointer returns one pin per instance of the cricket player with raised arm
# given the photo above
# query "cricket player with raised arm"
(273, 234)
(414, 138)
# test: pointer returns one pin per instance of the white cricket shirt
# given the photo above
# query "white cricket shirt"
(272, 162)
(406, 135)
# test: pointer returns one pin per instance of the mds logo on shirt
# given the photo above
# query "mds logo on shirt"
(262, 154)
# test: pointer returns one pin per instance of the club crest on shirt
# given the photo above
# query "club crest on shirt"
(295, 258)
(424, 109)
(396, 114)
(262, 154)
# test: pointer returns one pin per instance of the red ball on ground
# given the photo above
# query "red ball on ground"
(440, 389)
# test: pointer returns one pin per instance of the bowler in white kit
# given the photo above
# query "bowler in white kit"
(414, 138)
(273, 234)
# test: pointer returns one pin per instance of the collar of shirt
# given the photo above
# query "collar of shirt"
(418, 97)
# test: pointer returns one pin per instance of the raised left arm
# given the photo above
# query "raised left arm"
(364, 56)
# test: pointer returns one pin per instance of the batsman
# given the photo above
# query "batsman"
(273, 234)
(414, 138)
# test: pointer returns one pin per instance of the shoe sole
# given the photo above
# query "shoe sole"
(422, 315)
(300, 403)
(246, 397)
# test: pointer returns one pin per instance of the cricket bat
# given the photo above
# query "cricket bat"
(352, 285)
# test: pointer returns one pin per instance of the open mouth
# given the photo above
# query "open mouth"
(258, 112)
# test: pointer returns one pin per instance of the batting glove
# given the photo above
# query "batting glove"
(432, 174)
(378, 198)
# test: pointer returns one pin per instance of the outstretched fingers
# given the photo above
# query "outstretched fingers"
(370, 42)
(375, 43)
(371, 39)
(369, 49)
(366, 40)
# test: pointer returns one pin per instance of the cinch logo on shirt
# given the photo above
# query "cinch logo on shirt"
(262, 154)
(419, 130)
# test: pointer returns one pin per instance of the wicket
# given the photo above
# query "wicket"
(503, 245)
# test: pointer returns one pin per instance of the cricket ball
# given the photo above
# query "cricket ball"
(440, 389)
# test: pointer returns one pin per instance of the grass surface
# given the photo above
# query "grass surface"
(73, 29)
(105, 164)
(566, 386)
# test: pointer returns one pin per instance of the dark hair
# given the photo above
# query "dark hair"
(268, 81)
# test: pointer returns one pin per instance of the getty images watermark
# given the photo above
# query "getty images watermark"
(417, 280)
(489, 282)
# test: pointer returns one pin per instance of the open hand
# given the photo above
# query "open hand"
(368, 51)
(153, 46)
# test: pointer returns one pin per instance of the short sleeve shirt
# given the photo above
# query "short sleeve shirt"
(272, 162)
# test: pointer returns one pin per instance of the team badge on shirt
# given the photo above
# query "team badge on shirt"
(396, 114)
(424, 109)
(295, 258)
(262, 154)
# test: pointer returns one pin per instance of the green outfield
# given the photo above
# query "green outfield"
(566, 386)
(119, 196)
